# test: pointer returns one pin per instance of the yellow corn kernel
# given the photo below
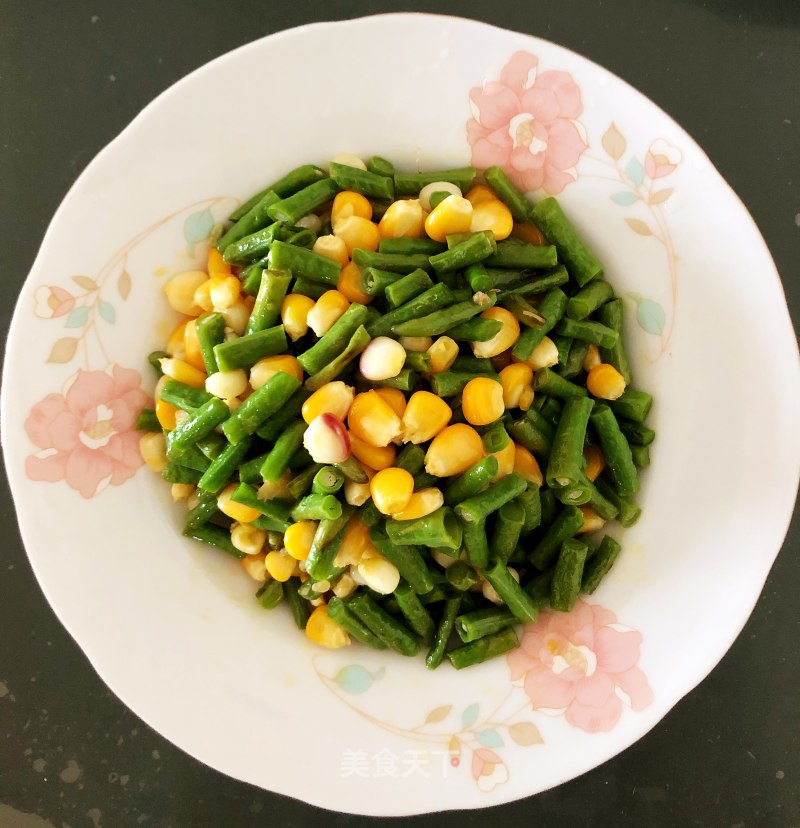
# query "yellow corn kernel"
(153, 448)
(605, 382)
(358, 232)
(280, 565)
(217, 266)
(591, 520)
(348, 204)
(247, 538)
(181, 491)
(176, 343)
(331, 247)
(378, 574)
(165, 414)
(453, 450)
(372, 456)
(425, 416)
(391, 490)
(266, 368)
(254, 566)
(179, 370)
(179, 291)
(453, 215)
(371, 419)
(503, 339)
(403, 219)
(323, 630)
(424, 502)
(505, 460)
(526, 398)
(224, 292)
(298, 538)
(544, 355)
(327, 309)
(595, 462)
(396, 400)
(443, 354)
(191, 346)
(355, 542)
(350, 284)
(492, 215)
(237, 511)
(482, 401)
(333, 398)
(202, 297)
(294, 314)
(528, 232)
(592, 358)
(527, 466)
(515, 378)
(236, 316)
(480, 194)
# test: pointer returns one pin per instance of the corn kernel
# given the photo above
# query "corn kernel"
(323, 630)
(503, 339)
(502, 360)
(280, 565)
(247, 538)
(166, 414)
(528, 232)
(266, 368)
(382, 359)
(402, 219)
(326, 440)
(605, 382)
(453, 215)
(544, 355)
(417, 344)
(453, 450)
(327, 309)
(276, 489)
(176, 343)
(372, 456)
(480, 194)
(490, 593)
(237, 511)
(217, 266)
(309, 222)
(514, 378)
(482, 401)
(191, 346)
(358, 232)
(526, 398)
(350, 284)
(379, 574)
(294, 314)
(425, 416)
(443, 354)
(592, 358)
(181, 491)
(224, 292)
(254, 566)
(595, 462)
(505, 460)
(179, 370)
(527, 466)
(395, 398)
(348, 160)
(298, 538)
(371, 419)
(332, 247)
(591, 520)
(442, 558)
(153, 448)
(332, 398)
(202, 297)
(236, 316)
(344, 586)
(492, 215)
(179, 291)
(227, 384)
(356, 494)
(355, 542)
(391, 490)
(348, 204)
(423, 502)
(436, 187)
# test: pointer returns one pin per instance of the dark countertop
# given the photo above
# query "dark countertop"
(72, 75)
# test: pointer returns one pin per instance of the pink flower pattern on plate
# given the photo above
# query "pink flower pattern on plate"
(527, 124)
(86, 435)
(583, 663)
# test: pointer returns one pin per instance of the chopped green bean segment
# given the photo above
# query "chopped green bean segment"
(611, 315)
(183, 396)
(508, 193)
(461, 575)
(472, 482)
(552, 309)
(395, 262)
(405, 247)
(641, 456)
(246, 351)
(450, 383)
(514, 596)
(223, 466)
(388, 629)
(305, 201)
(440, 528)
(549, 382)
(616, 451)
(348, 621)
(255, 219)
(601, 562)
(592, 332)
(632, 405)
(514, 253)
(300, 608)
(407, 287)
(490, 646)
(215, 536)
(443, 632)
(267, 308)
(285, 446)
(415, 614)
(475, 330)
(565, 526)
(270, 594)
(380, 166)
(199, 423)
(362, 181)
(411, 183)
(260, 406)
(358, 341)
(588, 299)
(566, 582)
(273, 427)
(146, 420)
(335, 340)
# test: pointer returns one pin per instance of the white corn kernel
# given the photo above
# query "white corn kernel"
(255, 567)
(349, 160)
(278, 489)
(180, 491)
(326, 440)
(382, 359)
(436, 187)
(153, 448)
(180, 289)
(193, 500)
(181, 417)
(236, 317)
(233, 403)
(247, 538)
(379, 574)
(224, 292)
(356, 494)
(489, 593)
(331, 247)
(310, 222)
(344, 586)
(544, 355)
(443, 559)
(321, 587)
(416, 343)
(227, 384)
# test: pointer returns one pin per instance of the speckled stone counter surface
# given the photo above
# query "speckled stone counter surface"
(72, 75)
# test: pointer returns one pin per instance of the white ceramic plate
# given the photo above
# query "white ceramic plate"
(173, 628)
